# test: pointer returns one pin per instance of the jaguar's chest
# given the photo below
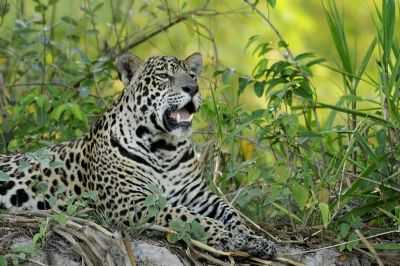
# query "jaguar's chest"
(170, 173)
(164, 168)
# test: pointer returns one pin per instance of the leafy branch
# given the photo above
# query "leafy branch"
(152, 31)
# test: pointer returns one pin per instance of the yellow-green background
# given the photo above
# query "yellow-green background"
(301, 22)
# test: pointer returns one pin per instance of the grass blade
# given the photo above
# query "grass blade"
(365, 61)
(336, 27)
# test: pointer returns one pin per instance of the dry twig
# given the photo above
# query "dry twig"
(370, 247)
(129, 252)
(343, 243)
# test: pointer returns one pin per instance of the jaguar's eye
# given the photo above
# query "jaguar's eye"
(163, 76)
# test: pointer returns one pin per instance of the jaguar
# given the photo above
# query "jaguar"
(143, 141)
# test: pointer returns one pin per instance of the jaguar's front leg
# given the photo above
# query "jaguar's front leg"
(207, 204)
(217, 235)
(230, 236)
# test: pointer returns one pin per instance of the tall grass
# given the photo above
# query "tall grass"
(330, 178)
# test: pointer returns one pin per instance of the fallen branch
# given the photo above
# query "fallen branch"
(210, 258)
(92, 242)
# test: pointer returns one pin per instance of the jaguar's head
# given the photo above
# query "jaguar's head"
(164, 91)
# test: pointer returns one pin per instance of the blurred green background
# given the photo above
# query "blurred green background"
(301, 22)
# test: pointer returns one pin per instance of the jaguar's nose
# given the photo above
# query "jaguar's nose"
(191, 89)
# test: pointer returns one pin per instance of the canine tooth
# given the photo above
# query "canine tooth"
(178, 117)
(190, 117)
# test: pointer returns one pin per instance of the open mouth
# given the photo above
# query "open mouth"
(179, 118)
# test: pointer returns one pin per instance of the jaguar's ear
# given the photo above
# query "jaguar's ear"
(127, 65)
(195, 63)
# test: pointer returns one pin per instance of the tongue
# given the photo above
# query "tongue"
(181, 116)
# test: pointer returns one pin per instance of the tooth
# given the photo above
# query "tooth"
(190, 117)
(178, 117)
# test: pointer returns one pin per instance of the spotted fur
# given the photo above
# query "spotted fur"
(136, 146)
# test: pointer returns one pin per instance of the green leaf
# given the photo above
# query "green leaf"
(69, 20)
(354, 238)
(336, 27)
(261, 68)
(251, 40)
(315, 62)
(23, 165)
(41, 101)
(76, 111)
(60, 218)
(61, 188)
(150, 200)
(365, 61)
(182, 230)
(152, 211)
(388, 21)
(52, 201)
(304, 90)
(84, 91)
(178, 225)
(344, 229)
(4, 177)
(261, 49)
(243, 82)
(41, 187)
(71, 209)
(162, 202)
(197, 231)
(56, 164)
(325, 213)
(272, 3)
(259, 88)
(303, 56)
(218, 72)
(283, 44)
(300, 194)
(90, 195)
(57, 112)
(43, 156)
(86, 10)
